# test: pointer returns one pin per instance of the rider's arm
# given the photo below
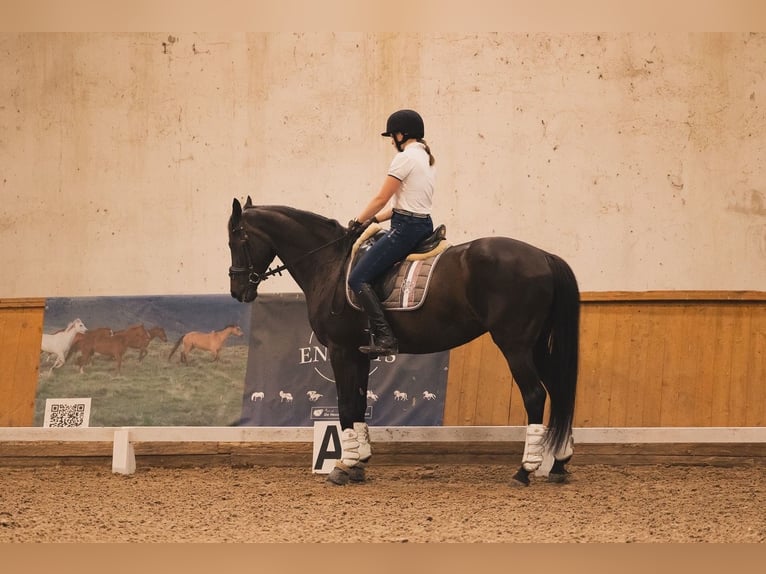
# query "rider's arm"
(384, 215)
(387, 190)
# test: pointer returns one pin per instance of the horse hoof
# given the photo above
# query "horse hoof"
(520, 479)
(357, 474)
(338, 477)
(558, 478)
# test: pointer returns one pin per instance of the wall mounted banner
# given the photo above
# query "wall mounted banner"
(150, 378)
(208, 360)
(290, 383)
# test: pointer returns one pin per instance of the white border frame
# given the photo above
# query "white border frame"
(585, 435)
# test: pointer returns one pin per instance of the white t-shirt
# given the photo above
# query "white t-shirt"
(418, 179)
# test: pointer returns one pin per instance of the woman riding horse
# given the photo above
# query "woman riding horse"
(526, 298)
(408, 187)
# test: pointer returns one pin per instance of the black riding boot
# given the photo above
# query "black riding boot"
(383, 340)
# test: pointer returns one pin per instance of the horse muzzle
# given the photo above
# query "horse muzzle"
(249, 292)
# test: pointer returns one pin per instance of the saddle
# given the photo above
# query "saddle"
(404, 286)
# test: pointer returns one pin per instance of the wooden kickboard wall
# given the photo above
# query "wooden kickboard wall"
(647, 359)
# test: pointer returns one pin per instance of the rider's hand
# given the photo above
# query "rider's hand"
(355, 227)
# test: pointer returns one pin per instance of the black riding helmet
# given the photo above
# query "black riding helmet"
(407, 122)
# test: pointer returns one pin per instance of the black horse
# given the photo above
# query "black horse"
(526, 298)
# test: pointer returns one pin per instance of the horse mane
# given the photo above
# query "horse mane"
(300, 215)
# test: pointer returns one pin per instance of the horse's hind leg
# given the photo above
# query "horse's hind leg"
(59, 361)
(558, 472)
(534, 395)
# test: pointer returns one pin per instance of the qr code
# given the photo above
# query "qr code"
(69, 413)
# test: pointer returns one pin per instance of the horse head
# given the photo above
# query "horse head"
(159, 333)
(77, 326)
(251, 255)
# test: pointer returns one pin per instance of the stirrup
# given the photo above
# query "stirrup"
(375, 350)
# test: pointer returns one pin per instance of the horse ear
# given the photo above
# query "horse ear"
(249, 202)
(236, 209)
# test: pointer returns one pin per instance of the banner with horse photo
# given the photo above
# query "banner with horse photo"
(208, 360)
(142, 361)
(290, 381)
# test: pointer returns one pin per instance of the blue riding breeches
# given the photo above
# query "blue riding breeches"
(405, 233)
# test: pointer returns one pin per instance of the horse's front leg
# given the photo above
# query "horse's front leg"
(351, 369)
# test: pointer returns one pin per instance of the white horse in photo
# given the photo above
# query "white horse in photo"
(257, 395)
(400, 396)
(314, 396)
(372, 396)
(285, 397)
(429, 396)
(59, 343)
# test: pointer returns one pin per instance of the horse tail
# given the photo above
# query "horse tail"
(173, 350)
(562, 342)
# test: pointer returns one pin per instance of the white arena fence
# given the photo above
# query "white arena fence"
(123, 438)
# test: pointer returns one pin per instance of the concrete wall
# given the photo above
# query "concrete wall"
(637, 157)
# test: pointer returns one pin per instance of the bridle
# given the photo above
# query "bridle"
(254, 278)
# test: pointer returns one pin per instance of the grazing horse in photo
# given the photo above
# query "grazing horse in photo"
(526, 298)
(212, 341)
(154, 333)
(59, 343)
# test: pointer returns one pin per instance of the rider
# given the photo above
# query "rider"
(405, 199)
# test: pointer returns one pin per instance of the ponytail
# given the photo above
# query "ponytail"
(431, 158)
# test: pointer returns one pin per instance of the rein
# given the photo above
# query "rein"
(255, 278)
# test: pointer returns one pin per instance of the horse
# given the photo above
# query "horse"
(105, 342)
(212, 341)
(429, 396)
(82, 339)
(526, 298)
(59, 343)
(139, 337)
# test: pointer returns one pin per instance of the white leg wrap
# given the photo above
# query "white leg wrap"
(363, 437)
(349, 442)
(533, 447)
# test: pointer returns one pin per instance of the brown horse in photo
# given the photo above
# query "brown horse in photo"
(139, 337)
(212, 341)
(105, 343)
(85, 340)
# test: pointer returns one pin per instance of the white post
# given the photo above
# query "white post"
(123, 454)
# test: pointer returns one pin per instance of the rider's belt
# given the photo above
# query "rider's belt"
(409, 213)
